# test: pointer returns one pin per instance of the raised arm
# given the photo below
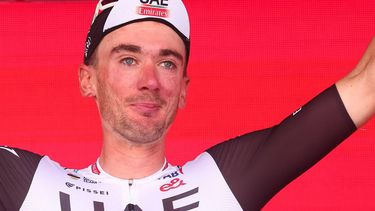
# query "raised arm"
(357, 89)
(259, 164)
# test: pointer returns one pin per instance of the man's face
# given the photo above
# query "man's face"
(139, 80)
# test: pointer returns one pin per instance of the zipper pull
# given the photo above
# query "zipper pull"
(130, 182)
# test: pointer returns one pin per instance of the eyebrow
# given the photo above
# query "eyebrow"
(126, 47)
(169, 52)
(138, 49)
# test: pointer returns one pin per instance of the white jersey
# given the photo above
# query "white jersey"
(197, 185)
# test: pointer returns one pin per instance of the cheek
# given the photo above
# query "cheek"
(170, 87)
(119, 82)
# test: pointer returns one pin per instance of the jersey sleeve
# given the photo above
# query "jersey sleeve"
(17, 168)
(259, 164)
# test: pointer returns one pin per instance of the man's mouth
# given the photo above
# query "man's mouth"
(146, 108)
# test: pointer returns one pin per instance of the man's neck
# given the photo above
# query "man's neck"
(126, 160)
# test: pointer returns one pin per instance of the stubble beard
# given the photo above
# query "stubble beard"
(113, 112)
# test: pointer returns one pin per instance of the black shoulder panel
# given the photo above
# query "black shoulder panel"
(17, 168)
(257, 165)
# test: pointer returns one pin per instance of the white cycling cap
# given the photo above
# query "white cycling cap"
(113, 14)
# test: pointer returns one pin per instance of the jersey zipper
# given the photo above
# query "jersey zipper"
(131, 205)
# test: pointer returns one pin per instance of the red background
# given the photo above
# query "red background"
(252, 64)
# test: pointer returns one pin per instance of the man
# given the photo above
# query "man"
(139, 82)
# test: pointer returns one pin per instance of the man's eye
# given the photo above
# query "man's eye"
(168, 65)
(128, 61)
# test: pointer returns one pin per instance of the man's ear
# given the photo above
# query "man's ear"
(87, 77)
(182, 101)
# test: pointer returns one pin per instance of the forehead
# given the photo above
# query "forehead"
(149, 35)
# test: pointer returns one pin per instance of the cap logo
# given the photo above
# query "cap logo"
(155, 2)
(87, 45)
(156, 8)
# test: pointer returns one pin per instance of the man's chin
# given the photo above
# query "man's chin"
(144, 132)
(143, 138)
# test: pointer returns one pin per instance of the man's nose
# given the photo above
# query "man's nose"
(148, 79)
